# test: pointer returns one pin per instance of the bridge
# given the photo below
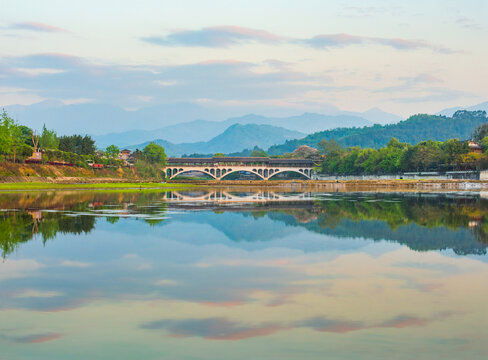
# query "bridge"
(220, 167)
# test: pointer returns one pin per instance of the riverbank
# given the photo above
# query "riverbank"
(348, 185)
(32, 186)
(44, 173)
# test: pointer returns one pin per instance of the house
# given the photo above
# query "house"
(475, 147)
(126, 156)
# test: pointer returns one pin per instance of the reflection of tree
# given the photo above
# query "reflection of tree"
(112, 219)
(18, 227)
(422, 223)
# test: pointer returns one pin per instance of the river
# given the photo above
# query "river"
(243, 274)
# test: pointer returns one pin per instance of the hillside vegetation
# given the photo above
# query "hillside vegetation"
(415, 129)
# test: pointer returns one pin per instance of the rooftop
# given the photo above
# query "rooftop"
(214, 160)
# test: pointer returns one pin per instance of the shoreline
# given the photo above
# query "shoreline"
(53, 184)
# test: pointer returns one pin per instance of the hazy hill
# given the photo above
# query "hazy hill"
(413, 130)
(178, 122)
(235, 138)
(102, 118)
(204, 130)
(307, 122)
(449, 112)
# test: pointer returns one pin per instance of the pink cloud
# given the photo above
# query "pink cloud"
(37, 26)
(216, 36)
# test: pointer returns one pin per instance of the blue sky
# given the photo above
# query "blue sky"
(404, 57)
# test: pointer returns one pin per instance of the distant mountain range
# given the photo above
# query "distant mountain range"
(233, 139)
(450, 111)
(413, 130)
(204, 130)
(177, 122)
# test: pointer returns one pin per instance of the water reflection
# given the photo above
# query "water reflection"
(420, 221)
(238, 274)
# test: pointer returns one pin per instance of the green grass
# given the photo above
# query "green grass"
(27, 186)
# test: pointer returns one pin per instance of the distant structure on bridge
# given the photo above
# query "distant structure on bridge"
(219, 167)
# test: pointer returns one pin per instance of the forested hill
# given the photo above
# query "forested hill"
(413, 130)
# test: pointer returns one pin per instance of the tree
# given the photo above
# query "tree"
(11, 138)
(81, 145)
(219, 155)
(480, 132)
(6, 125)
(257, 152)
(48, 139)
(26, 135)
(112, 151)
(328, 146)
(155, 154)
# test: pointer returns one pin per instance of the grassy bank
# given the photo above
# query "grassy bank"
(27, 186)
(17, 172)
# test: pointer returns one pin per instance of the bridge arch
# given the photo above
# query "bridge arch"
(253, 171)
(304, 173)
(189, 170)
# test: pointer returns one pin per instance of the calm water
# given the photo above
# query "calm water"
(243, 275)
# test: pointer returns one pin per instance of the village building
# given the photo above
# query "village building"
(126, 156)
(475, 147)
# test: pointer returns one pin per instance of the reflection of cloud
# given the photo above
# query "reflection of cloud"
(324, 324)
(212, 328)
(166, 282)
(404, 321)
(221, 328)
(76, 264)
(36, 338)
(18, 268)
(36, 294)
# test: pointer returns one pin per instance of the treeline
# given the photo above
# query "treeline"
(397, 157)
(415, 129)
(16, 144)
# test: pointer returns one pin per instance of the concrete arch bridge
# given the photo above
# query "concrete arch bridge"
(220, 167)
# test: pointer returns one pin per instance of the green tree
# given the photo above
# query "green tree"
(81, 145)
(11, 137)
(48, 139)
(219, 155)
(155, 154)
(26, 135)
(258, 153)
(112, 151)
(6, 139)
(329, 146)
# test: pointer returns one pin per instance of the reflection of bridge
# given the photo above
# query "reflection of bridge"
(220, 167)
(233, 196)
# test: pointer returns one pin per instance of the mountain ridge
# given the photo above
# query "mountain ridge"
(234, 138)
(416, 128)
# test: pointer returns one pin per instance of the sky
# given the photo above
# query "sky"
(404, 57)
